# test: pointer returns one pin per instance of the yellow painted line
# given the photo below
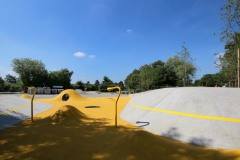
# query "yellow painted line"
(217, 118)
(14, 109)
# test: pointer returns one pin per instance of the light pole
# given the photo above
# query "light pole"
(34, 92)
(119, 93)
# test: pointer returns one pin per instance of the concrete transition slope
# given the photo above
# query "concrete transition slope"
(14, 109)
(201, 116)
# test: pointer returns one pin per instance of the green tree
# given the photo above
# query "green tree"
(228, 62)
(106, 83)
(187, 66)
(230, 67)
(208, 80)
(89, 86)
(12, 84)
(79, 85)
(197, 82)
(60, 78)
(171, 76)
(154, 75)
(31, 72)
(182, 64)
(97, 84)
(220, 79)
(231, 34)
(132, 81)
(175, 64)
(1, 84)
(211, 80)
(121, 85)
(158, 74)
(230, 15)
(146, 77)
(11, 79)
(12, 87)
(163, 75)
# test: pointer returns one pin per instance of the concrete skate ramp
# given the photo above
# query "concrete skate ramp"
(207, 117)
(14, 109)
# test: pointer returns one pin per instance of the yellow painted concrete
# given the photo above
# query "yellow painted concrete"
(70, 131)
(216, 118)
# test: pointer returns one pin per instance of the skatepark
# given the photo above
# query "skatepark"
(171, 123)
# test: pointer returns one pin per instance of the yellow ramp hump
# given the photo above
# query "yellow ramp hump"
(73, 95)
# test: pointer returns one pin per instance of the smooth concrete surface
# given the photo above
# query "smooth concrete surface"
(14, 109)
(200, 116)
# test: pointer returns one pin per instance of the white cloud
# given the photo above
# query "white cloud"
(91, 56)
(82, 55)
(129, 30)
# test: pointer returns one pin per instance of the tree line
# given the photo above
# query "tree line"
(97, 86)
(33, 73)
(228, 64)
(10, 83)
(177, 71)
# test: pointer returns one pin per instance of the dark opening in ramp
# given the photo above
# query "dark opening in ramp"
(65, 97)
(93, 107)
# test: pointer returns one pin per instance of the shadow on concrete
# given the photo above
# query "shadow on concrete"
(7, 120)
(172, 133)
(203, 142)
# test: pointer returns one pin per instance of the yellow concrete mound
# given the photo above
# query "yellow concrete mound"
(67, 114)
(73, 96)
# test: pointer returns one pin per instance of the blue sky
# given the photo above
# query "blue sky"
(96, 38)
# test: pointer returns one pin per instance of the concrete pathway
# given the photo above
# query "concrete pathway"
(200, 116)
(14, 109)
